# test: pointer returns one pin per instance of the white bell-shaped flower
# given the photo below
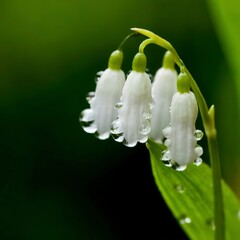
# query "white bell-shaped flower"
(98, 119)
(133, 124)
(182, 137)
(163, 88)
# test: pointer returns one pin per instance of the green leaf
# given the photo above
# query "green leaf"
(189, 195)
(226, 18)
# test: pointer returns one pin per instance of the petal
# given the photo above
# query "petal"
(163, 88)
(107, 95)
(183, 117)
(135, 112)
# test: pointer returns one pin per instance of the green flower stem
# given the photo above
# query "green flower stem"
(145, 43)
(218, 198)
(125, 40)
(209, 127)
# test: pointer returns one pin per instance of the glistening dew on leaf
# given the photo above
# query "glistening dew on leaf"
(181, 141)
(98, 119)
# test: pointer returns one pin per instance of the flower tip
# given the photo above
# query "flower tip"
(139, 62)
(168, 60)
(183, 83)
(115, 60)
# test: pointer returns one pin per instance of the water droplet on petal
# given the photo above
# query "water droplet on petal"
(198, 151)
(211, 224)
(178, 167)
(185, 220)
(118, 105)
(118, 137)
(90, 129)
(198, 135)
(145, 128)
(86, 115)
(197, 161)
(102, 136)
(179, 188)
(167, 142)
(128, 144)
(115, 128)
(98, 75)
(165, 155)
(87, 121)
(147, 115)
(90, 96)
(143, 139)
(166, 158)
(116, 131)
(167, 131)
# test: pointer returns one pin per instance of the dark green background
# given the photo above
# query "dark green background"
(57, 182)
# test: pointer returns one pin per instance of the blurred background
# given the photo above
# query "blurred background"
(57, 182)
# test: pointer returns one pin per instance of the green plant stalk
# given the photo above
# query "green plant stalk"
(209, 127)
(218, 203)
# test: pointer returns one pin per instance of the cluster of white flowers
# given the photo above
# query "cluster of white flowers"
(136, 109)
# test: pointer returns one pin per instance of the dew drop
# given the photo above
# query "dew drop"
(129, 144)
(167, 163)
(147, 115)
(98, 75)
(102, 136)
(197, 161)
(166, 158)
(90, 128)
(167, 131)
(143, 139)
(87, 121)
(179, 188)
(178, 167)
(115, 128)
(90, 96)
(118, 105)
(165, 155)
(86, 115)
(198, 151)
(211, 224)
(118, 137)
(145, 128)
(185, 220)
(167, 142)
(198, 135)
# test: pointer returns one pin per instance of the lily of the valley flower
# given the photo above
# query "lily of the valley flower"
(133, 123)
(163, 88)
(102, 112)
(181, 135)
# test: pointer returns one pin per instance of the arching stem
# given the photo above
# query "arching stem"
(209, 127)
